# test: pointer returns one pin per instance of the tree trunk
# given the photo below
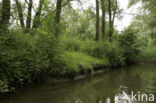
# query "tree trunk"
(57, 17)
(5, 12)
(114, 14)
(103, 19)
(58, 11)
(97, 21)
(28, 25)
(37, 21)
(20, 13)
(113, 19)
(0, 11)
(110, 20)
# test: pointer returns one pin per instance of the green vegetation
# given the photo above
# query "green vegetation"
(148, 53)
(62, 42)
(75, 61)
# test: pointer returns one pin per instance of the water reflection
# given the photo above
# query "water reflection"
(94, 89)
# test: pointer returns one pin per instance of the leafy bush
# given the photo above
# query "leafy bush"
(24, 57)
(3, 86)
(112, 52)
(148, 53)
(105, 51)
(15, 60)
(129, 43)
(89, 46)
(70, 43)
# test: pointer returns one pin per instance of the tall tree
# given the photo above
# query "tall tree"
(58, 11)
(57, 16)
(103, 19)
(20, 13)
(112, 10)
(29, 15)
(149, 16)
(97, 21)
(5, 12)
(37, 21)
(0, 10)
(115, 6)
(110, 19)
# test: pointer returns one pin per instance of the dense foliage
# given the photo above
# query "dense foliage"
(63, 44)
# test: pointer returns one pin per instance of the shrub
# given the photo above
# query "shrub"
(15, 60)
(105, 51)
(4, 86)
(148, 53)
(24, 57)
(129, 43)
(70, 43)
(89, 46)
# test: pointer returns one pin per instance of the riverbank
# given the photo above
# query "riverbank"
(90, 89)
(68, 57)
(45, 77)
(44, 56)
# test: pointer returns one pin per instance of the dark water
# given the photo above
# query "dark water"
(92, 89)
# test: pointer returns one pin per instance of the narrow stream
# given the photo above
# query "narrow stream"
(101, 88)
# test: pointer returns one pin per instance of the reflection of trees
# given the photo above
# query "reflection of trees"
(132, 78)
(141, 78)
(99, 89)
(92, 90)
(107, 87)
(136, 78)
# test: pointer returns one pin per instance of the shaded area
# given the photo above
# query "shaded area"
(92, 89)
